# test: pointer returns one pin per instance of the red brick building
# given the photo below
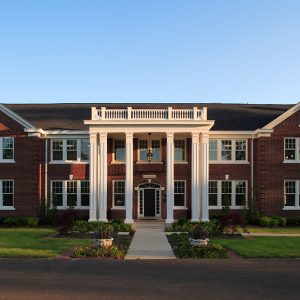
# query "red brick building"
(149, 160)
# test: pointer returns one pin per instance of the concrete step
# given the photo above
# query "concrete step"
(149, 224)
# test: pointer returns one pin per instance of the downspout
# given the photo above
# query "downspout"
(252, 168)
(46, 173)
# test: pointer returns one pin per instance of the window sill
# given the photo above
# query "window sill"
(231, 207)
(228, 162)
(75, 207)
(68, 162)
(151, 163)
(7, 208)
(291, 208)
(180, 208)
(178, 162)
(118, 162)
(291, 162)
(7, 161)
(119, 208)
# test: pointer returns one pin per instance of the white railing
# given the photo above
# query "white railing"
(149, 114)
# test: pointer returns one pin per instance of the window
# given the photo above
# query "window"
(8, 148)
(232, 193)
(290, 198)
(7, 195)
(85, 193)
(85, 150)
(226, 193)
(119, 150)
(227, 151)
(290, 149)
(119, 193)
(70, 193)
(213, 150)
(179, 150)
(240, 150)
(70, 150)
(213, 193)
(240, 193)
(155, 149)
(179, 193)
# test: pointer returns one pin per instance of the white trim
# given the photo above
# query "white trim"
(113, 206)
(1, 195)
(184, 205)
(282, 117)
(297, 195)
(2, 160)
(297, 150)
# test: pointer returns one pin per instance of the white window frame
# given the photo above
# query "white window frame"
(184, 161)
(2, 160)
(64, 193)
(233, 150)
(114, 207)
(114, 160)
(1, 195)
(153, 161)
(184, 206)
(233, 193)
(64, 160)
(297, 195)
(297, 150)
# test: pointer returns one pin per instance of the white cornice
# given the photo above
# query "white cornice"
(283, 117)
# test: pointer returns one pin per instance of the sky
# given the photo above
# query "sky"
(230, 51)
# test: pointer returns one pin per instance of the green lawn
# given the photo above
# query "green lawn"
(254, 247)
(256, 229)
(35, 242)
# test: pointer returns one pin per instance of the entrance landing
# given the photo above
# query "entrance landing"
(149, 242)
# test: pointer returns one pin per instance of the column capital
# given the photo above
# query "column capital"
(103, 135)
(204, 137)
(93, 136)
(195, 137)
(170, 134)
(129, 135)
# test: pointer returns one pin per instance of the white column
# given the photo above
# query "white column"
(129, 178)
(170, 177)
(204, 176)
(93, 177)
(103, 177)
(195, 177)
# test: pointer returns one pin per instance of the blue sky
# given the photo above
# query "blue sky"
(150, 51)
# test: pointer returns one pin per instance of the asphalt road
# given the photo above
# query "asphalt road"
(172, 279)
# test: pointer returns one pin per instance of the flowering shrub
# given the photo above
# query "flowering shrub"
(112, 252)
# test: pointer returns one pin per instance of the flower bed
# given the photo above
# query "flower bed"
(183, 249)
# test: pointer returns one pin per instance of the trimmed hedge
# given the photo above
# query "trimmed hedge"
(19, 221)
(273, 221)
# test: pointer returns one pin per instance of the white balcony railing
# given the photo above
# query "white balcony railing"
(149, 114)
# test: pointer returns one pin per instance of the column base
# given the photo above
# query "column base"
(128, 221)
(195, 220)
(204, 220)
(169, 221)
(103, 220)
(93, 220)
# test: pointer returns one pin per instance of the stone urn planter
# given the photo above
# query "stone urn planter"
(104, 243)
(199, 242)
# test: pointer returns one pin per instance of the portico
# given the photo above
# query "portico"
(132, 127)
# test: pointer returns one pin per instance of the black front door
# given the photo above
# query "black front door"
(149, 202)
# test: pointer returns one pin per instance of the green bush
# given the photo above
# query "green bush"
(293, 221)
(121, 227)
(117, 221)
(280, 220)
(15, 221)
(82, 226)
(213, 227)
(265, 221)
(183, 249)
(273, 221)
(31, 222)
(112, 252)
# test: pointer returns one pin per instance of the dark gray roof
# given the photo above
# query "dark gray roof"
(226, 116)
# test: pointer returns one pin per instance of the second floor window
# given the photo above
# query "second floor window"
(154, 148)
(119, 150)
(6, 149)
(179, 150)
(291, 149)
(70, 150)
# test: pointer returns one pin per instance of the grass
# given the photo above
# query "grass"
(264, 247)
(257, 229)
(35, 242)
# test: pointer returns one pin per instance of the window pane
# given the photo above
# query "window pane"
(290, 193)
(72, 193)
(57, 150)
(71, 149)
(213, 150)
(179, 200)
(143, 149)
(213, 193)
(179, 193)
(85, 149)
(240, 150)
(156, 150)
(213, 199)
(226, 150)
(8, 148)
(290, 149)
(240, 193)
(226, 193)
(119, 146)
(179, 150)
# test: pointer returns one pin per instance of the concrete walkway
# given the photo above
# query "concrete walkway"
(149, 242)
